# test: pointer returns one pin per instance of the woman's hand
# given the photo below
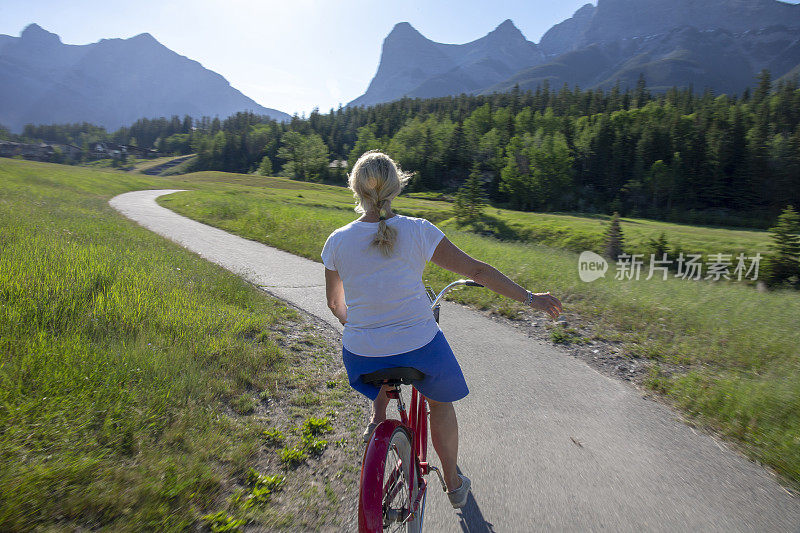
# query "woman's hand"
(544, 301)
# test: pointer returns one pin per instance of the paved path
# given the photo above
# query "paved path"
(637, 467)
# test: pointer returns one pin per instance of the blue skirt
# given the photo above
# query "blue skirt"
(443, 382)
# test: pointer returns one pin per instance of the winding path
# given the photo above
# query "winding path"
(636, 467)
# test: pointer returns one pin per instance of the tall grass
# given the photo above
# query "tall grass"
(725, 352)
(116, 350)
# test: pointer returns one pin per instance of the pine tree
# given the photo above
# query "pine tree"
(660, 177)
(470, 197)
(641, 95)
(614, 240)
(764, 86)
(658, 247)
(265, 168)
(783, 264)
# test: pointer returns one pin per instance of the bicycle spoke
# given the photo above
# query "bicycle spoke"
(392, 491)
(396, 499)
(393, 477)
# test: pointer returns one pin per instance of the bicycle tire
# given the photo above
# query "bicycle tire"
(422, 444)
(421, 420)
(389, 482)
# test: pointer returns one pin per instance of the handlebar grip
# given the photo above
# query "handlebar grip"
(471, 283)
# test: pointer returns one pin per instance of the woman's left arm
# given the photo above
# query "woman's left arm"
(334, 289)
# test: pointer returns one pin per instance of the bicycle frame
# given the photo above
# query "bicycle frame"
(416, 424)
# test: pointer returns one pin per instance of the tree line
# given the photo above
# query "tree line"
(676, 155)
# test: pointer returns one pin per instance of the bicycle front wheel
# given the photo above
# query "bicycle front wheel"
(389, 483)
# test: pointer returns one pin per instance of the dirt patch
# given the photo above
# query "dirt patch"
(321, 470)
(578, 337)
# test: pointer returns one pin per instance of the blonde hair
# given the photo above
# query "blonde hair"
(375, 181)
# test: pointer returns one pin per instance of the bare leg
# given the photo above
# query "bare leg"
(444, 434)
(379, 406)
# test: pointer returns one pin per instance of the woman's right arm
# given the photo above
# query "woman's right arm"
(450, 257)
(334, 290)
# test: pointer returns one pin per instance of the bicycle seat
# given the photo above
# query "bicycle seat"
(401, 375)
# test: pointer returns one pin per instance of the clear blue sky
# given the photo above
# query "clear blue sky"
(291, 55)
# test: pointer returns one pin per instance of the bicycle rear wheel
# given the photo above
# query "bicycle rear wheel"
(389, 482)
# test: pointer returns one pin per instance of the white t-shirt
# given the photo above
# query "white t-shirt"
(388, 312)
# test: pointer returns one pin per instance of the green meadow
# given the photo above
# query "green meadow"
(145, 389)
(567, 231)
(722, 351)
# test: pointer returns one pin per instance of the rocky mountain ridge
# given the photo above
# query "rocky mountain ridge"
(716, 44)
(112, 82)
(413, 65)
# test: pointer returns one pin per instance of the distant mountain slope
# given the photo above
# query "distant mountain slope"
(683, 57)
(615, 20)
(567, 35)
(111, 83)
(717, 44)
(415, 66)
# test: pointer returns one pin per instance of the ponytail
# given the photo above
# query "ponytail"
(385, 238)
(375, 181)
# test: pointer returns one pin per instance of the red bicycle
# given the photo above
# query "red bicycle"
(393, 486)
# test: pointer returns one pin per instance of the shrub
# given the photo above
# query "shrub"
(263, 487)
(273, 436)
(314, 446)
(292, 457)
(221, 522)
(317, 426)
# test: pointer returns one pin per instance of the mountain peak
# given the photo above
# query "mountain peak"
(586, 10)
(404, 29)
(144, 37)
(506, 25)
(413, 65)
(506, 31)
(35, 33)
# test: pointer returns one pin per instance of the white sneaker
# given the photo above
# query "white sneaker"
(458, 497)
(368, 431)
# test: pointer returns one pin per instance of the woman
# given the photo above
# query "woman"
(373, 275)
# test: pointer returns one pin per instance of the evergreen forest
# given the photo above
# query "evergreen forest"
(677, 155)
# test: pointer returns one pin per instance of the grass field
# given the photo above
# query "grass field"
(131, 164)
(722, 351)
(143, 164)
(108, 163)
(567, 231)
(578, 233)
(144, 389)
